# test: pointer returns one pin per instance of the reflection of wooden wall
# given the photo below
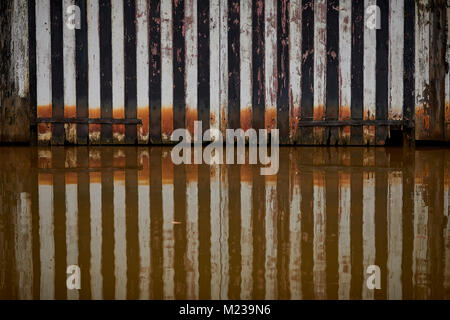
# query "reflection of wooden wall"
(316, 73)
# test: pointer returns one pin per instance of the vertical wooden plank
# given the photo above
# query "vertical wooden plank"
(370, 77)
(72, 225)
(132, 223)
(357, 232)
(179, 67)
(295, 68)
(332, 68)
(46, 237)
(70, 90)
(409, 60)
(82, 72)
(234, 231)
(130, 64)
(155, 64)
(271, 236)
(167, 80)
(143, 68)
(233, 38)
(382, 72)
(246, 233)
(106, 72)
(214, 57)
(43, 69)
(180, 218)
(344, 72)
(245, 54)
(258, 65)
(295, 229)
(358, 73)
(223, 75)
(95, 188)
(216, 281)
(447, 81)
(157, 236)
(320, 67)
(32, 57)
(191, 63)
(93, 47)
(144, 224)
(396, 59)
(307, 99)
(203, 63)
(395, 236)
(24, 247)
(421, 254)
(283, 24)
(57, 65)
(224, 234)
(319, 247)
(168, 228)
(120, 239)
(118, 68)
(192, 251)
(204, 225)
(344, 247)
(368, 227)
(331, 235)
(270, 67)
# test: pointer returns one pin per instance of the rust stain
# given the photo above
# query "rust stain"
(45, 179)
(95, 177)
(70, 112)
(369, 157)
(271, 180)
(271, 118)
(44, 132)
(119, 159)
(94, 129)
(167, 170)
(246, 173)
(71, 158)
(344, 179)
(369, 135)
(95, 159)
(319, 180)
(166, 122)
(246, 118)
(44, 159)
(44, 111)
(223, 121)
(191, 117)
(118, 133)
(143, 130)
(71, 178)
(119, 177)
(191, 173)
(71, 132)
(344, 112)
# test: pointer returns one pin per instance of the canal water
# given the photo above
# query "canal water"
(139, 227)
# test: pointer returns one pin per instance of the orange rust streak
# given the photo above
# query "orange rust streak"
(167, 121)
(344, 179)
(44, 128)
(71, 178)
(319, 180)
(246, 118)
(95, 177)
(118, 113)
(191, 117)
(191, 173)
(271, 118)
(246, 173)
(45, 179)
(271, 180)
(344, 112)
(143, 114)
(119, 176)
(44, 111)
(93, 114)
(167, 171)
(119, 159)
(70, 111)
(319, 112)
(119, 129)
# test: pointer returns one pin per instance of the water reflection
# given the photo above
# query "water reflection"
(141, 228)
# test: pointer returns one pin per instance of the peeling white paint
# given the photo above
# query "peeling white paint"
(396, 51)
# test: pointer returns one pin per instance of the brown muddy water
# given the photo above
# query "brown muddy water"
(141, 228)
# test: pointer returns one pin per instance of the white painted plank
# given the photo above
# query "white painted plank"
(144, 228)
(395, 235)
(191, 39)
(396, 50)
(246, 63)
(345, 64)
(166, 70)
(192, 244)
(142, 69)
(224, 76)
(246, 233)
(295, 237)
(344, 242)
(214, 58)
(295, 64)
(72, 226)
(95, 195)
(319, 241)
(271, 238)
(270, 71)
(368, 228)
(20, 47)
(46, 237)
(120, 237)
